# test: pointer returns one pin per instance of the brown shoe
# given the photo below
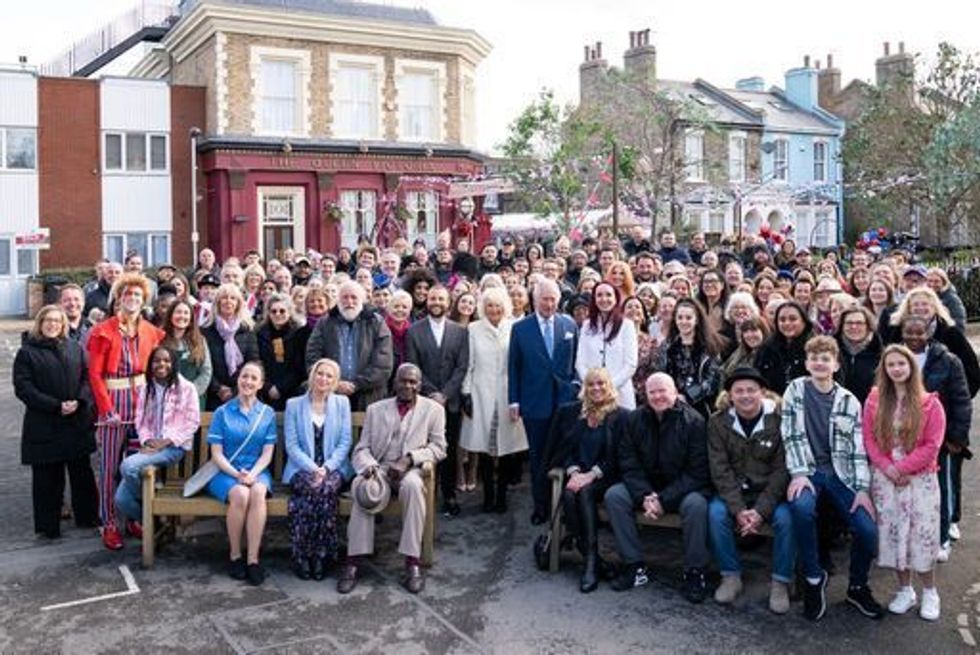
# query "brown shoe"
(347, 580)
(412, 579)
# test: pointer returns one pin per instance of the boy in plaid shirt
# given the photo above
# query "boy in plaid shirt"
(821, 427)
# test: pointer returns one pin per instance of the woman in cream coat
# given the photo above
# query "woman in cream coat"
(608, 340)
(487, 427)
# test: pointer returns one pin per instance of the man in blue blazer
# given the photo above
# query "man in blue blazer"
(541, 376)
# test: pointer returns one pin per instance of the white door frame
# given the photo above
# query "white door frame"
(299, 214)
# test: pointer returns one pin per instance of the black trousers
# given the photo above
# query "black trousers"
(48, 490)
(447, 467)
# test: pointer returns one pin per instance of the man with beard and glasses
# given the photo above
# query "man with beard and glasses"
(118, 351)
(357, 338)
(440, 348)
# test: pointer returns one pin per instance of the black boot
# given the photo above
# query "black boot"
(588, 539)
(500, 503)
(486, 477)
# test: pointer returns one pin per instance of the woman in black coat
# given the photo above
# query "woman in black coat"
(782, 357)
(231, 343)
(860, 351)
(282, 349)
(583, 443)
(51, 379)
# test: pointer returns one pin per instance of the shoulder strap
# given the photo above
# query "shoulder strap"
(255, 426)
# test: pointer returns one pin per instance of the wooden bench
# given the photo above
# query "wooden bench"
(557, 475)
(163, 495)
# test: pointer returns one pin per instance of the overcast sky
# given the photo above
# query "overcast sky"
(539, 43)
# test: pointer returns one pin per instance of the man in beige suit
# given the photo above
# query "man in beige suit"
(399, 435)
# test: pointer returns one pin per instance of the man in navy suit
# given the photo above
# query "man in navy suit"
(541, 376)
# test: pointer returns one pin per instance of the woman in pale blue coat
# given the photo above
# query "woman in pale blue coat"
(318, 441)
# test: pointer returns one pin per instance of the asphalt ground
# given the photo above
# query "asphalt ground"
(483, 595)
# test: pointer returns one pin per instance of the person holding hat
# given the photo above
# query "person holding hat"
(400, 434)
(748, 470)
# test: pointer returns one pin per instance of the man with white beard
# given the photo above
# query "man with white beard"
(359, 341)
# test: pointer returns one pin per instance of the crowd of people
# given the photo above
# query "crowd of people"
(775, 390)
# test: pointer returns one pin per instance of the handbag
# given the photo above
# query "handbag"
(202, 476)
(542, 545)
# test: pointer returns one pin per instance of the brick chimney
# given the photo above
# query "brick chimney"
(641, 58)
(591, 74)
(896, 71)
(828, 84)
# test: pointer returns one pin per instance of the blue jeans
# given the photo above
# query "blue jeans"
(721, 530)
(130, 490)
(864, 547)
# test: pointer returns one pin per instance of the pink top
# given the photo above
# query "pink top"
(923, 458)
(181, 416)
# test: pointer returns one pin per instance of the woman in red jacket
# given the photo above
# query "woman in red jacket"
(119, 349)
(903, 430)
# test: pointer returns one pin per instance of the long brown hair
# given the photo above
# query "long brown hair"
(911, 411)
(192, 335)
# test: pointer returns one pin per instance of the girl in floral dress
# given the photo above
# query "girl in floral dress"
(903, 430)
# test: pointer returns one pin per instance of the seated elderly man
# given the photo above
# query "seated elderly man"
(357, 338)
(663, 462)
(400, 434)
(748, 469)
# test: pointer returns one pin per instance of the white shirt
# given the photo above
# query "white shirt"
(438, 327)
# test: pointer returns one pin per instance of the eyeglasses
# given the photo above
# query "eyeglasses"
(279, 311)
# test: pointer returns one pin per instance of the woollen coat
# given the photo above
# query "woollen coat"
(486, 384)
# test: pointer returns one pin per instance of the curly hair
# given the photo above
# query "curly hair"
(598, 411)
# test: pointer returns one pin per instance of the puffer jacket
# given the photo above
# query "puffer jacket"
(943, 374)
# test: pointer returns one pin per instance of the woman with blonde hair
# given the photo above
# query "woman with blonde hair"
(318, 442)
(231, 342)
(938, 281)
(903, 430)
(583, 444)
(487, 429)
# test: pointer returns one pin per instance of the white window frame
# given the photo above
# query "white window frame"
(4, 141)
(780, 173)
(437, 69)
(737, 154)
(694, 169)
(696, 217)
(149, 261)
(335, 63)
(820, 166)
(823, 235)
(304, 67)
(430, 205)
(352, 201)
(467, 111)
(148, 139)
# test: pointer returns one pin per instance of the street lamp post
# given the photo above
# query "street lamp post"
(195, 235)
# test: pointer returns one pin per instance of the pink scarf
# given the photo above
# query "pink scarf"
(233, 354)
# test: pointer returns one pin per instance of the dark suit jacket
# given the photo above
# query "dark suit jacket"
(538, 383)
(443, 368)
(220, 375)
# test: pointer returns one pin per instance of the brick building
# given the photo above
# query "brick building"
(324, 117)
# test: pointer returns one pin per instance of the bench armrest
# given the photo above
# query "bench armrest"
(557, 473)
(428, 470)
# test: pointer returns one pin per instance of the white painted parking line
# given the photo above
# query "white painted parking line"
(131, 588)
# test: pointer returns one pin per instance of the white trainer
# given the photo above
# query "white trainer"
(943, 555)
(903, 601)
(954, 531)
(930, 605)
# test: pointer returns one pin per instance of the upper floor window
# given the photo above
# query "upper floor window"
(18, 148)
(781, 160)
(135, 152)
(356, 90)
(279, 102)
(736, 157)
(418, 104)
(819, 161)
(694, 155)
(280, 90)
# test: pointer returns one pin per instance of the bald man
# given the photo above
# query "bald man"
(663, 461)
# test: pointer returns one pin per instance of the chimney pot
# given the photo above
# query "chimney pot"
(887, 48)
(817, 64)
(586, 53)
(830, 61)
(632, 40)
(901, 47)
(598, 49)
(646, 36)
(806, 61)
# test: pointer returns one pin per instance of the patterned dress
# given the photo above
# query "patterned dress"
(313, 509)
(908, 519)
